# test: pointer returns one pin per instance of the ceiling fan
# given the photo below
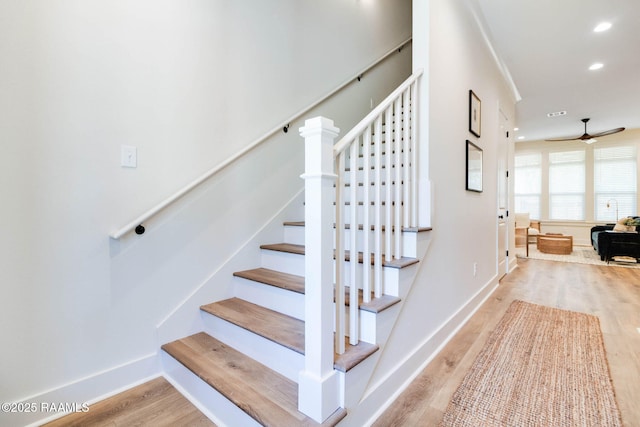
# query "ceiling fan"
(586, 137)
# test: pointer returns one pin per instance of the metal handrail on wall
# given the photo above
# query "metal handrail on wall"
(137, 223)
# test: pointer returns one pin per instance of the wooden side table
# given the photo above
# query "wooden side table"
(558, 244)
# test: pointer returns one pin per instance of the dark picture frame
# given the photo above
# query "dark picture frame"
(475, 114)
(474, 167)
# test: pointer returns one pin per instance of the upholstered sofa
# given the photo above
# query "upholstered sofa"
(595, 233)
(608, 242)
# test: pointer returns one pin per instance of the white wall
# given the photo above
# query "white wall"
(464, 223)
(189, 83)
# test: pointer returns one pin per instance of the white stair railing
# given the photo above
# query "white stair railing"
(379, 155)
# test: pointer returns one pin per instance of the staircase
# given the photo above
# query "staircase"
(246, 366)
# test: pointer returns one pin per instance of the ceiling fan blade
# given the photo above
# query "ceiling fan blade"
(607, 132)
(586, 137)
(575, 138)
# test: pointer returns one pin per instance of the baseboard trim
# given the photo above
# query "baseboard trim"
(415, 362)
(88, 390)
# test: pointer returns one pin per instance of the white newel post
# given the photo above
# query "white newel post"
(318, 395)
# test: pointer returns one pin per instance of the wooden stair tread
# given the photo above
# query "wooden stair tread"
(285, 247)
(280, 328)
(268, 397)
(295, 283)
(361, 184)
(300, 250)
(394, 263)
(353, 355)
(294, 223)
(376, 305)
(278, 279)
(348, 169)
(277, 327)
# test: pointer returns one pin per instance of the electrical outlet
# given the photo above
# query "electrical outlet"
(128, 156)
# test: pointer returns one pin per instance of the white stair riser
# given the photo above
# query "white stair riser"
(283, 261)
(360, 211)
(367, 325)
(294, 264)
(370, 177)
(360, 241)
(410, 244)
(354, 382)
(359, 273)
(205, 397)
(374, 327)
(297, 237)
(372, 160)
(278, 358)
(271, 297)
(383, 161)
(294, 234)
(398, 280)
(372, 193)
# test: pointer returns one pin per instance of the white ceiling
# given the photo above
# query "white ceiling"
(547, 47)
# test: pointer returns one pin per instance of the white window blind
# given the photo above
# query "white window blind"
(615, 182)
(528, 184)
(567, 185)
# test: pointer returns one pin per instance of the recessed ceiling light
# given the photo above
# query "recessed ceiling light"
(596, 66)
(556, 114)
(516, 129)
(521, 137)
(603, 26)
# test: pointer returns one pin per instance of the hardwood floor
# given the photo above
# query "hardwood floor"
(611, 293)
(155, 403)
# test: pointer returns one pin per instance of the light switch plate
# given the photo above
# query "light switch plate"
(128, 156)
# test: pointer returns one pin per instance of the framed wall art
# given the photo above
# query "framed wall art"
(474, 167)
(475, 114)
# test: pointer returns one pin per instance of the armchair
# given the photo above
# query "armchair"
(527, 231)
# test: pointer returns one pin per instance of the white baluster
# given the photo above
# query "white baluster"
(353, 246)
(377, 188)
(366, 221)
(414, 155)
(339, 250)
(397, 212)
(388, 228)
(405, 159)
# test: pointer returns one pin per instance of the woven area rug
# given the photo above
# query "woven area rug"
(580, 254)
(541, 366)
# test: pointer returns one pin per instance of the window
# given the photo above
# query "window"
(528, 184)
(615, 182)
(567, 185)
